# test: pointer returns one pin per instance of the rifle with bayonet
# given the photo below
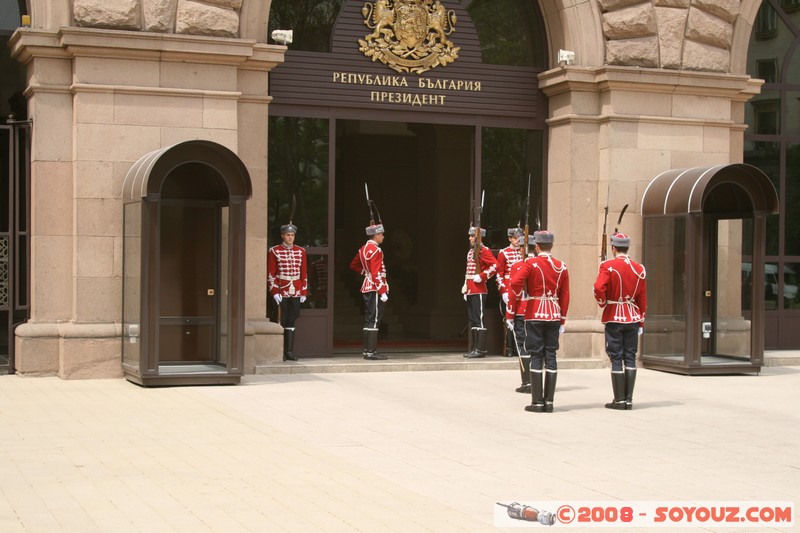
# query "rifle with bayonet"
(476, 251)
(370, 205)
(604, 243)
(526, 231)
(604, 238)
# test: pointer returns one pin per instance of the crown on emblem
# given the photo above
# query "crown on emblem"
(409, 35)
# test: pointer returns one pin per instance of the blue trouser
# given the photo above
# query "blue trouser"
(622, 341)
(541, 341)
(373, 310)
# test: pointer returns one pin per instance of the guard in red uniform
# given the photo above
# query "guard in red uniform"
(287, 281)
(375, 290)
(474, 289)
(506, 258)
(621, 292)
(547, 302)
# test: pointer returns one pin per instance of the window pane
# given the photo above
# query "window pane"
(298, 175)
(792, 120)
(665, 260)
(771, 286)
(508, 158)
(766, 156)
(311, 21)
(793, 68)
(791, 282)
(762, 113)
(9, 16)
(792, 204)
(317, 282)
(510, 31)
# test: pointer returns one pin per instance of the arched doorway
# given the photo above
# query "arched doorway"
(427, 143)
(183, 266)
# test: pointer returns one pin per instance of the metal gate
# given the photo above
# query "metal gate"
(14, 234)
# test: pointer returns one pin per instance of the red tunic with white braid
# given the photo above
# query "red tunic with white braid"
(547, 282)
(287, 271)
(520, 304)
(369, 263)
(620, 290)
(487, 269)
(506, 258)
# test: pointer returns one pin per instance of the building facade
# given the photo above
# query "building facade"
(481, 100)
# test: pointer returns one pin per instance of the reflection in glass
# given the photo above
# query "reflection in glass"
(771, 286)
(767, 157)
(792, 204)
(792, 119)
(665, 261)
(131, 285)
(509, 156)
(731, 330)
(791, 282)
(764, 112)
(510, 31)
(317, 282)
(298, 175)
(311, 21)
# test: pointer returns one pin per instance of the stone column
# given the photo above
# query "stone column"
(101, 99)
(611, 130)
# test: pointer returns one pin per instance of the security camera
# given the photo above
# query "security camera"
(283, 37)
(566, 57)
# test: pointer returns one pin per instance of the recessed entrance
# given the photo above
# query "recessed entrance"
(419, 177)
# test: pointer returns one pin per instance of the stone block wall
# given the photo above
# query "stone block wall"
(670, 34)
(216, 18)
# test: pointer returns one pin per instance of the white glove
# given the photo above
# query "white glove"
(561, 329)
(278, 298)
(510, 323)
(477, 278)
(384, 297)
(505, 297)
(465, 297)
(641, 330)
(302, 299)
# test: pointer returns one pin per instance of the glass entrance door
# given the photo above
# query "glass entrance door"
(725, 332)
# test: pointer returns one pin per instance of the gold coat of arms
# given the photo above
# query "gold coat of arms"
(409, 35)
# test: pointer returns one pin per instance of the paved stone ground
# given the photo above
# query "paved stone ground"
(388, 451)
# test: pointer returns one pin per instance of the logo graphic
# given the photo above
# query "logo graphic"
(527, 513)
(409, 35)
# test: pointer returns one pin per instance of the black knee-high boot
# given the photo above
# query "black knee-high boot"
(525, 371)
(630, 381)
(511, 348)
(482, 341)
(288, 344)
(370, 345)
(537, 393)
(549, 389)
(478, 344)
(618, 386)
